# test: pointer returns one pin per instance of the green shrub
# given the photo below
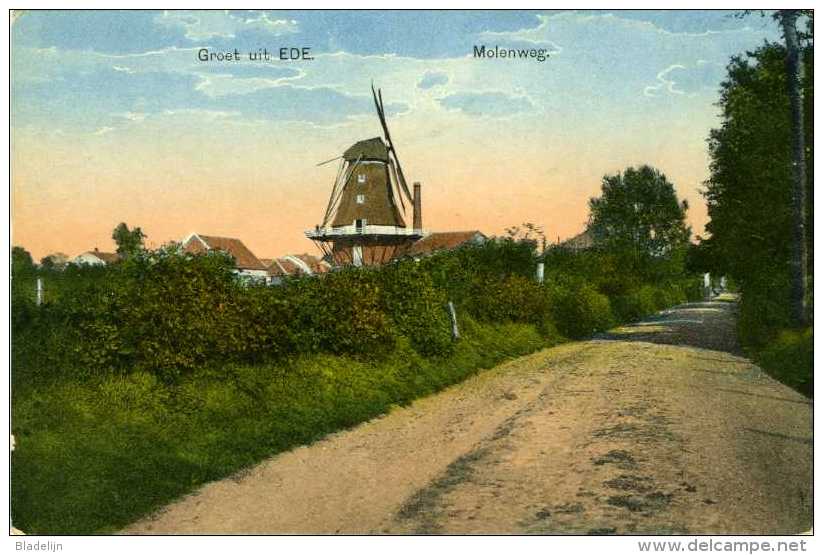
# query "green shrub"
(511, 299)
(458, 272)
(677, 294)
(790, 359)
(167, 313)
(172, 311)
(342, 313)
(693, 290)
(581, 311)
(417, 307)
(637, 304)
(763, 312)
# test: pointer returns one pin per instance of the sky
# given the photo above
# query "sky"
(114, 118)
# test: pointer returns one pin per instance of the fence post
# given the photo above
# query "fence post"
(453, 316)
(12, 530)
(541, 267)
(39, 291)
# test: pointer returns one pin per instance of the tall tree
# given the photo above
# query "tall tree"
(21, 260)
(638, 211)
(794, 68)
(129, 241)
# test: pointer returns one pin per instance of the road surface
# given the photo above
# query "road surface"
(654, 428)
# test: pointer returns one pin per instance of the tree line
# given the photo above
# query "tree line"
(759, 194)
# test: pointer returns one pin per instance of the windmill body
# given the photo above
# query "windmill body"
(365, 221)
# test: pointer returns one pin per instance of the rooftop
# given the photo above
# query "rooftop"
(444, 240)
(243, 257)
(369, 149)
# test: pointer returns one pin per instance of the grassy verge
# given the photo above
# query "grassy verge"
(94, 456)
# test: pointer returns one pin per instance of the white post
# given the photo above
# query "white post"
(39, 291)
(453, 316)
(540, 271)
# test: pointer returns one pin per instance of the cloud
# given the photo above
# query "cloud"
(132, 116)
(432, 79)
(266, 70)
(679, 79)
(208, 24)
(227, 85)
(144, 95)
(103, 130)
(489, 104)
(664, 82)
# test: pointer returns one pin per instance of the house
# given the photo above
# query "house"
(314, 265)
(95, 258)
(277, 269)
(579, 242)
(246, 264)
(289, 267)
(294, 266)
(445, 240)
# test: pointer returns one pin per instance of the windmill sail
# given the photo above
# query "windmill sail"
(332, 195)
(378, 103)
(397, 185)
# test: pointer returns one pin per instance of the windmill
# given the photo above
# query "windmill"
(365, 218)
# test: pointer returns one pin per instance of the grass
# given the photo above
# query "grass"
(94, 456)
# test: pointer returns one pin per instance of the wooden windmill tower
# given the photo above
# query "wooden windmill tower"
(365, 220)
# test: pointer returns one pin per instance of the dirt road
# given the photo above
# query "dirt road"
(659, 427)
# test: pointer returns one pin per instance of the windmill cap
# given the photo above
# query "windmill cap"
(369, 149)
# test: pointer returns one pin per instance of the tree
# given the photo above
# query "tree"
(530, 233)
(54, 261)
(794, 67)
(129, 242)
(639, 212)
(21, 260)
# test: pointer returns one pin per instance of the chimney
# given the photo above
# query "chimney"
(418, 214)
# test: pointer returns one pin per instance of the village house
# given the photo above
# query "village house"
(279, 268)
(579, 242)
(246, 264)
(294, 266)
(95, 258)
(275, 271)
(310, 264)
